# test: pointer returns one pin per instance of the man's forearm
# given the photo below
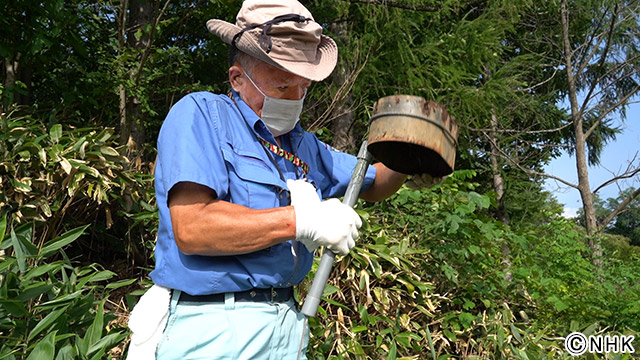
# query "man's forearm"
(203, 225)
(386, 183)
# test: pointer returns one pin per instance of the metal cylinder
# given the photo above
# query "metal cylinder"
(312, 301)
(413, 136)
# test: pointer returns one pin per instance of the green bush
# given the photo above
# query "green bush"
(54, 301)
(435, 276)
(49, 307)
(62, 178)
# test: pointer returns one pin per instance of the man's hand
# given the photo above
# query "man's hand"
(327, 223)
(423, 181)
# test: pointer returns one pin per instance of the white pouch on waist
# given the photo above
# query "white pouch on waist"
(147, 322)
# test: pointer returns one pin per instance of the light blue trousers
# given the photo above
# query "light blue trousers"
(234, 331)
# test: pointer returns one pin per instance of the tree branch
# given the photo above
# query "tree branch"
(342, 92)
(610, 109)
(626, 175)
(586, 61)
(533, 87)
(525, 170)
(618, 209)
(397, 5)
(508, 131)
(147, 49)
(603, 57)
(613, 70)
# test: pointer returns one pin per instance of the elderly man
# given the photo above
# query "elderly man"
(230, 245)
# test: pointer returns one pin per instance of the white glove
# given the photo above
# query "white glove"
(423, 181)
(327, 223)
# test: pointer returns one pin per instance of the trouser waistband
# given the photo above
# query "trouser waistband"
(255, 295)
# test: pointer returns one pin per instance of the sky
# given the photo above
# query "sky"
(615, 158)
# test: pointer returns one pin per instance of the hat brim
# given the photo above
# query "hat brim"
(318, 70)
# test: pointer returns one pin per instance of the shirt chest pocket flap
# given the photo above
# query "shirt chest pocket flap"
(252, 182)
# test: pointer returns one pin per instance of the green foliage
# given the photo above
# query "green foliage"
(34, 159)
(63, 177)
(626, 223)
(430, 279)
(54, 181)
(49, 307)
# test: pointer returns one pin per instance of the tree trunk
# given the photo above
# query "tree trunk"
(498, 180)
(581, 154)
(26, 75)
(19, 67)
(13, 72)
(342, 125)
(498, 186)
(10, 75)
(132, 132)
(122, 92)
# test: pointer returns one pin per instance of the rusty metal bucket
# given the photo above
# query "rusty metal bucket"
(413, 136)
(409, 135)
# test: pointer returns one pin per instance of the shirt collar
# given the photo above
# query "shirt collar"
(247, 113)
(296, 136)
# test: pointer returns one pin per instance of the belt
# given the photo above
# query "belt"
(255, 295)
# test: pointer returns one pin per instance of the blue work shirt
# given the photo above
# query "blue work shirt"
(210, 140)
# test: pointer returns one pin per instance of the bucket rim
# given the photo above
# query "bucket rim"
(423, 118)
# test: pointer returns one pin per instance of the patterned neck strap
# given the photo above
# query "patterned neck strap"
(285, 154)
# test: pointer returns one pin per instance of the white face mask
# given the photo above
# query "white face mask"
(280, 115)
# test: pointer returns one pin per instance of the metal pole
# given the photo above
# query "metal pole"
(312, 300)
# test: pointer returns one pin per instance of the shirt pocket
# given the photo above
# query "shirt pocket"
(252, 182)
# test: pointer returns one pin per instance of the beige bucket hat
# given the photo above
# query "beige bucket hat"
(281, 33)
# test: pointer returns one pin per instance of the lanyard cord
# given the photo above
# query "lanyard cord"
(273, 161)
(286, 155)
(304, 174)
